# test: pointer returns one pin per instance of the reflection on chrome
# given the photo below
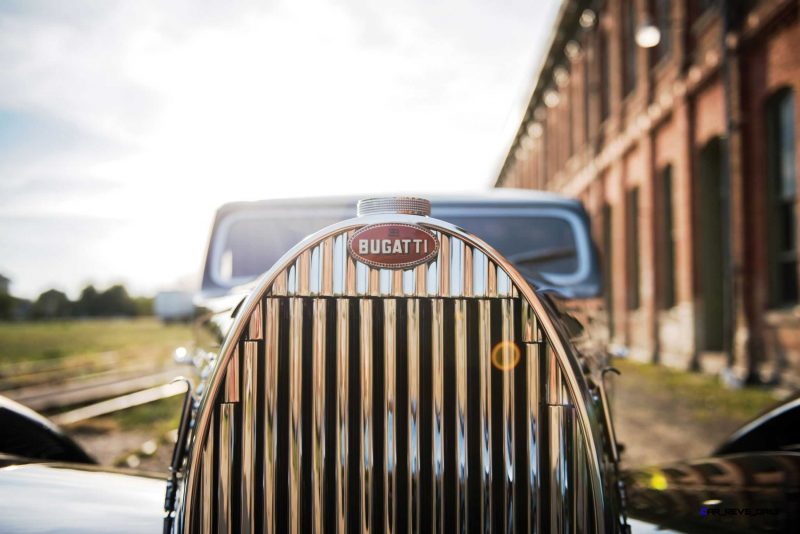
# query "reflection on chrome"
(464, 370)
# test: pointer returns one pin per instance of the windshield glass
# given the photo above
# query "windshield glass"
(248, 246)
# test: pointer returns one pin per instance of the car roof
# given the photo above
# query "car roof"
(494, 197)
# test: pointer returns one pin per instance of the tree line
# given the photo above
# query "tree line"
(54, 304)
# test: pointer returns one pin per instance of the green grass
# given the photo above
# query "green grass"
(51, 352)
(704, 395)
(54, 340)
(159, 416)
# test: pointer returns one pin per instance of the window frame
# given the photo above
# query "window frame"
(782, 256)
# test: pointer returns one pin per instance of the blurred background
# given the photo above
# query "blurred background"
(123, 126)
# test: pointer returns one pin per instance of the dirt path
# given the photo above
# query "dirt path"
(117, 447)
(659, 418)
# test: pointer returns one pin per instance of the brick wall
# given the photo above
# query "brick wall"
(674, 117)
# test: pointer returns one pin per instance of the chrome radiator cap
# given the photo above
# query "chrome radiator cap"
(394, 205)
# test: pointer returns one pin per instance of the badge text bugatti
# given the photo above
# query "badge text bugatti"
(393, 245)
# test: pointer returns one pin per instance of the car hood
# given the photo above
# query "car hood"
(757, 492)
(38, 498)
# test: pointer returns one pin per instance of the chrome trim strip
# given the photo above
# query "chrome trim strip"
(479, 272)
(207, 485)
(503, 283)
(248, 436)
(531, 333)
(432, 275)
(342, 425)
(408, 285)
(367, 458)
(302, 273)
(295, 411)
(373, 282)
(460, 355)
(340, 263)
(444, 266)
(327, 266)
(318, 417)
(232, 378)
(561, 428)
(437, 355)
(397, 283)
(390, 417)
(456, 288)
(581, 499)
(280, 285)
(291, 279)
(314, 278)
(255, 331)
(384, 283)
(491, 282)
(271, 355)
(485, 370)
(509, 347)
(350, 283)
(227, 448)
(421, 279)
(413, 351)
(468, 274)
(532, 352)
(554, 393)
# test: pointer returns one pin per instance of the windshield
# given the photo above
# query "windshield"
(248, 245)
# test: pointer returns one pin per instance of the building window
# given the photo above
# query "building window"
(608, 266)
(605, 76)
(571, 114)
(632, 224)
(660, 10)
(587, 85)
(666, 240)
(629, 48)
(781, 172)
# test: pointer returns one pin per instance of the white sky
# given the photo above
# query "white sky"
(124, 125)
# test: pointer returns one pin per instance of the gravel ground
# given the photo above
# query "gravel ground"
(657, 422)
(656, 428)
(119, 448)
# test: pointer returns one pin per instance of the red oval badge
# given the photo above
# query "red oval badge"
(393, 246)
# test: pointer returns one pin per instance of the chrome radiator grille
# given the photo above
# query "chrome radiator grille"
(354, 399)
(392, 415)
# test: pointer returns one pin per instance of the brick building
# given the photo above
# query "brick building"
(684, 155)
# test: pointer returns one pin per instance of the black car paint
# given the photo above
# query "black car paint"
(26, 433)
(70, 498)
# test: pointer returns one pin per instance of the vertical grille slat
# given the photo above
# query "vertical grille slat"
(318, 371)
(342, 404)
(271, 358)
(485, 387)
(460, 355)
(226, 458)
(249, 436)
(295, 428)
(437, 359)
(207, 483)
(389, 416)
(509, 355)
(413, 352)
(366, 467)
(532, 426)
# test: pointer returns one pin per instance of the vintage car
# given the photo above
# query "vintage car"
(418, 367)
